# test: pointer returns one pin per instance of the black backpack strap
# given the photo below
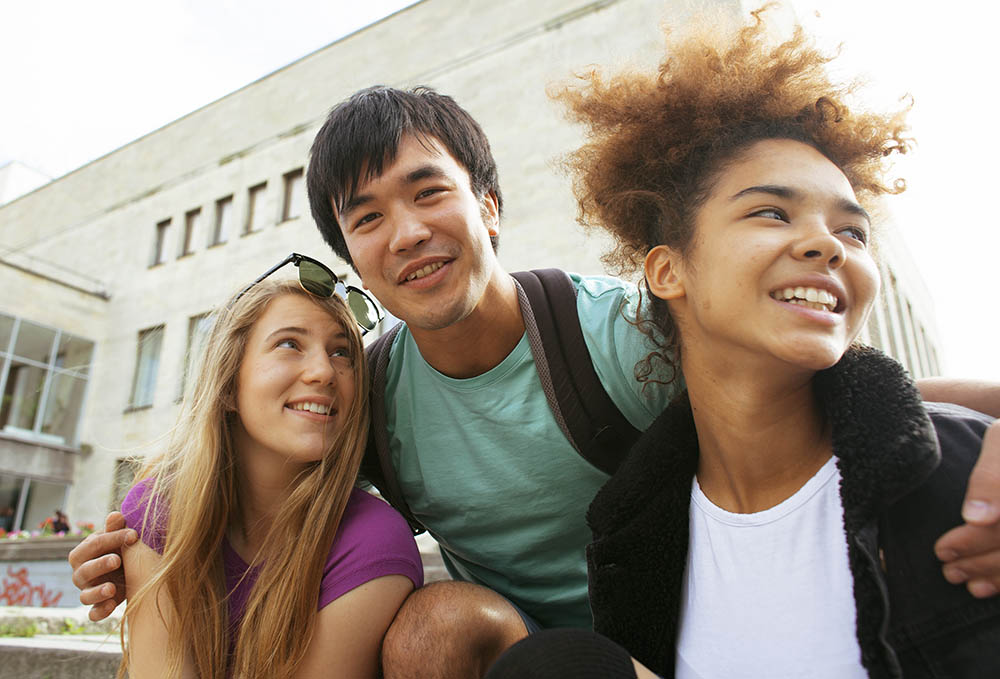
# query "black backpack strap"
(588, 417)
(376, 466)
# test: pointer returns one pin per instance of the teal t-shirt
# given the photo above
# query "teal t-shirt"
(484, 466)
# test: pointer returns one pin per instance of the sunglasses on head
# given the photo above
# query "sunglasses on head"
(316, 279)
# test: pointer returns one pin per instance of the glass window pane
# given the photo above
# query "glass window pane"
(255, 208)
(147, 363)
(10, 491)
(20, 397)
(62, 408)
(198, 327)
(43, 501)
(74, 353)
(34, 342)
(6, 327)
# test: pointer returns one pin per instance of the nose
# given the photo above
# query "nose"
(408, 232)
(818, 244)
(319, 369)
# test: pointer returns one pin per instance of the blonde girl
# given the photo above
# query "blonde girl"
(258, 556)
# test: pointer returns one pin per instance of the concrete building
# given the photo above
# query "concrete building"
(106, 273)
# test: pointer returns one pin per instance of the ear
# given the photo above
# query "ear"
(491, 213)
(664, 273)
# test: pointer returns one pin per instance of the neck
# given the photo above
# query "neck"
(480, 341)
(264, 482)
(761, 433)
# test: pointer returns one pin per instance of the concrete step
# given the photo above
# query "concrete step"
(60, 656)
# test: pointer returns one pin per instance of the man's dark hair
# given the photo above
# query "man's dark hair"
(360, 139)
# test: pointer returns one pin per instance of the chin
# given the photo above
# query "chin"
(814, 356)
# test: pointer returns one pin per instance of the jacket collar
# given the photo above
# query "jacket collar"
(882, 437)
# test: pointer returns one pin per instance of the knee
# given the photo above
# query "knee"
(449, 629)
(558, 653)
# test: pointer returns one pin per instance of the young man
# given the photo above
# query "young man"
(403, 186)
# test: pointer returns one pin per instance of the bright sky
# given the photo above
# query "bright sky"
(81, 79)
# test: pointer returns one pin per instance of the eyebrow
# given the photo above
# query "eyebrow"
(843, 204)
(288, 329)
(426, 171)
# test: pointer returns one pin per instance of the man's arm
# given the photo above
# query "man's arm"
(97, 566)
(971, 553)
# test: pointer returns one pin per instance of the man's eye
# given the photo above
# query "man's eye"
(370, 217)
(428, 192)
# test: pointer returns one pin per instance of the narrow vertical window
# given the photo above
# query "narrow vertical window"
(147, 363)
(255, 207)
(292, 206)
(198, 327)
(191, 220)
(160, 243)
(223, 220)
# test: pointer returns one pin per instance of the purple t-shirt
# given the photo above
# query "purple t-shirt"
(373, 540)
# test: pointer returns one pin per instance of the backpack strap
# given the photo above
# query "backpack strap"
(588, 417)
(376, 466)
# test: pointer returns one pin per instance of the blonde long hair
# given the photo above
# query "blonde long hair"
(196, 476)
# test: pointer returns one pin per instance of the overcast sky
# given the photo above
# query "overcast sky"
(81, 79)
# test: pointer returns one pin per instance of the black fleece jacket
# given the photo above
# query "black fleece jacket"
(904, 467)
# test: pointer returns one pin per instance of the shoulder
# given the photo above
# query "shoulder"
(957, 427)
(602, 291)
(146, 513)
(373, 540)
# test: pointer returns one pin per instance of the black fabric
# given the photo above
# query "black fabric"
(898, 498)
(563, 653)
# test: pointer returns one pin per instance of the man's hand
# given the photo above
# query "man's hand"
(97, 566)
(971, 553)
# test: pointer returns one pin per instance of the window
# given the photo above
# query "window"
(43, 379)
(146, 363)
(126, 469)
(26, 503)
(255, 207)
(198, 327)
(160, 244)
(223, 220)
(191, 220)
(293, 195)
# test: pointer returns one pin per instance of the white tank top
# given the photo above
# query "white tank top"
(770, 594)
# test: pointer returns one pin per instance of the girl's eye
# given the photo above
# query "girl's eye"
(341, 351)
(771, 213)
(288, 344)
(856, 233)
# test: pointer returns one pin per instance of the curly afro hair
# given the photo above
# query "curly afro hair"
(656, 141)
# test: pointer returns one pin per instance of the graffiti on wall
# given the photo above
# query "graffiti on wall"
(17, 590)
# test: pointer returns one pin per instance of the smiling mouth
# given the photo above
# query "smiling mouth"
(317, 408)
(425, 271)
(812, 298)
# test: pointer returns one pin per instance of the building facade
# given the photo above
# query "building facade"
(107, 273)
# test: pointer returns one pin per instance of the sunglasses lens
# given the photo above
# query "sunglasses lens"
(315, 279)
(363, 309)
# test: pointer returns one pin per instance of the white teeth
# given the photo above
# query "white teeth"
(311, 407)
(429, 269)
(814, 298)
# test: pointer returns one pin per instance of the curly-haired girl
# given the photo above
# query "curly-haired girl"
(777, 520)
